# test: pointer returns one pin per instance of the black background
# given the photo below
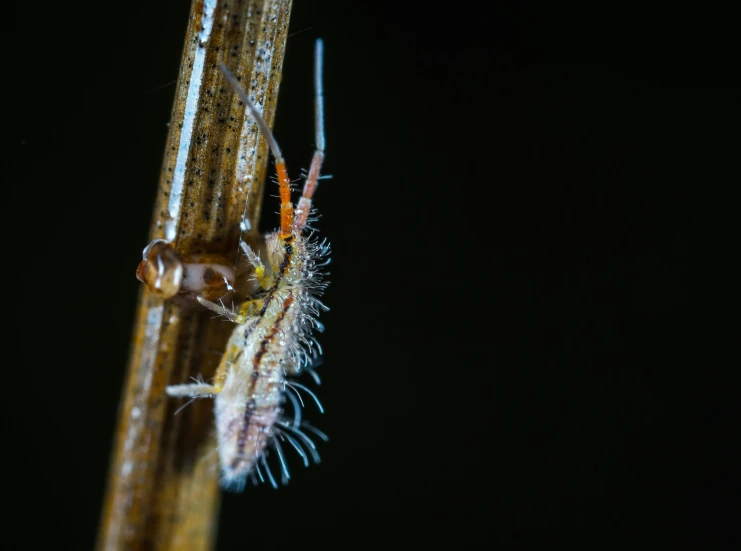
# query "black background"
(529, 331)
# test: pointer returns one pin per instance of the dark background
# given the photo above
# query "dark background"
(529, 332)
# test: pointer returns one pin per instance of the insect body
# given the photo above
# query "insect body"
(272, 339)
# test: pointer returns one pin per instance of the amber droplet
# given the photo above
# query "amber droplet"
(161, 269)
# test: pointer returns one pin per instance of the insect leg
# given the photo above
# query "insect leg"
(195, 390)
(264, 277)
(247, 310)
(204, 390)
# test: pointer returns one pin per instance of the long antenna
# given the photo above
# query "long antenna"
(304, 205)
(286, 207)
(275, 150)
(319, 94)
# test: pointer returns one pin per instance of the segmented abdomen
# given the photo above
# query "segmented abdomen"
(250, 402)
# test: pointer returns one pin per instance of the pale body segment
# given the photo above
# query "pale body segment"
(272, 339)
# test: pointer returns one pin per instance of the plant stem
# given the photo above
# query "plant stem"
(163, 484)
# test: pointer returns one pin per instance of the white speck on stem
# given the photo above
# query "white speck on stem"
(191, 108)
(263, 66)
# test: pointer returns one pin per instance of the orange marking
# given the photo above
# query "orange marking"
(286, 220)
(286, 208)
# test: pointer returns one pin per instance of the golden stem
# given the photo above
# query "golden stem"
(163, 485)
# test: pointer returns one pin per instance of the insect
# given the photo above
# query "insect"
(273, 338)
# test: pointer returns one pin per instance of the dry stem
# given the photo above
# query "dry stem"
(162, 493)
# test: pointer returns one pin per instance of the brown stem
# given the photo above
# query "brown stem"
(163, 485)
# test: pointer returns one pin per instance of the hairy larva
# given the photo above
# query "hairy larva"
(272, 339)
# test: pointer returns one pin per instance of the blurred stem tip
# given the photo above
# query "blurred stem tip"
(163, 485)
